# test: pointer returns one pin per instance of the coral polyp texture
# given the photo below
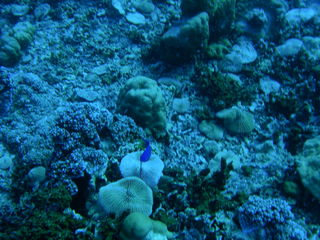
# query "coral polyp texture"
(141, 99)
(237, 120)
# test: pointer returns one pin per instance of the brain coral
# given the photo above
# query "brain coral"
(236, 120)
(141, 99)
(128, 194)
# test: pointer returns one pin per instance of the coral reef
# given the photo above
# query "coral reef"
(224, 94)
(77, 144)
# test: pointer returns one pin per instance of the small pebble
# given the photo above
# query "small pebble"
(42, 10)
(136, 18)
(86, 94)
(19, 10)
(6, 161)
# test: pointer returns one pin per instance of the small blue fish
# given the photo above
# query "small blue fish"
(145, 156)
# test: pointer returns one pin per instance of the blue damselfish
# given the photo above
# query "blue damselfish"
(145, 156)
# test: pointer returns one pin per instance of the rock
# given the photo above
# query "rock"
(100, 70)
(290, 48)
(230, 157)
(312, 47)
(268, 85)
(143, 6)
(136, 18)
(218, 50)
(118, 5)
(265, 147)
(36, 175)
(42, 10)
(181, 41)
(245, 51)
(260, 19)
(255, 23)
(181, 105)
(311, 147)
(6, 161)
(309, 165)
(221, 14)
(86, 94)
(92, 78)
(177, 85)
(298, 16)
(19, 10)
(211, 130)
(211, 148)
(231, 63)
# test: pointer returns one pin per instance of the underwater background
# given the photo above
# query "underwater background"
(160, 119)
